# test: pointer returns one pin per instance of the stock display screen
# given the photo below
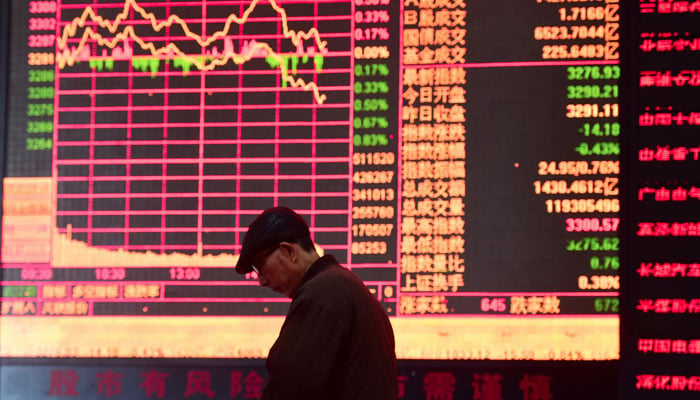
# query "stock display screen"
(462, 159)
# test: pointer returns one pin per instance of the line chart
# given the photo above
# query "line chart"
(68, 55)
(177, 122)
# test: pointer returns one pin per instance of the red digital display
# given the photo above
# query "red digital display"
(468, 175)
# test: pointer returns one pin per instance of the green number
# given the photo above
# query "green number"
(40, 110)
(606, 304)
(39, 126)
(41, 75)
(41, 92)
(37, 144)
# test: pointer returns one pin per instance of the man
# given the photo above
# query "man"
(336, 342)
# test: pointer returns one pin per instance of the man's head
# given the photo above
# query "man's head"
(278, 248)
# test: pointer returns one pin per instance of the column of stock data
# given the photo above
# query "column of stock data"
(578, 182)
(30, 114)
(375, 144)
(552, 117)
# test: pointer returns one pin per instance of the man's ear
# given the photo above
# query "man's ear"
(290, 251)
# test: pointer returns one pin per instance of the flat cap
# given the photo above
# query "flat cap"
(274, 226)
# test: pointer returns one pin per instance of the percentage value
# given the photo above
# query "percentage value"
(370, 139)
(372, 70)
(371, 16)
(371, 52)
(598, 149)
(372, 2)
(371, 105)
(370, 122)
(373, 33)
(371, 87)
(599, 282)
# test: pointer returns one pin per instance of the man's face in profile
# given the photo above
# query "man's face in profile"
(275, 269)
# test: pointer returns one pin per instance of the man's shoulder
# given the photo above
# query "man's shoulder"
(334, 285)
(335, 276)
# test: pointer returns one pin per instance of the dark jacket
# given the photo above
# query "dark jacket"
(336, 342)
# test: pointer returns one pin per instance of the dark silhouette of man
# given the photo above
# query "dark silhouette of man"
(336, 342)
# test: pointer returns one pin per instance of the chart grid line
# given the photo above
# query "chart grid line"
(287, 121)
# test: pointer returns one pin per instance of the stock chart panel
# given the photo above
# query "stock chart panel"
(462, 159)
